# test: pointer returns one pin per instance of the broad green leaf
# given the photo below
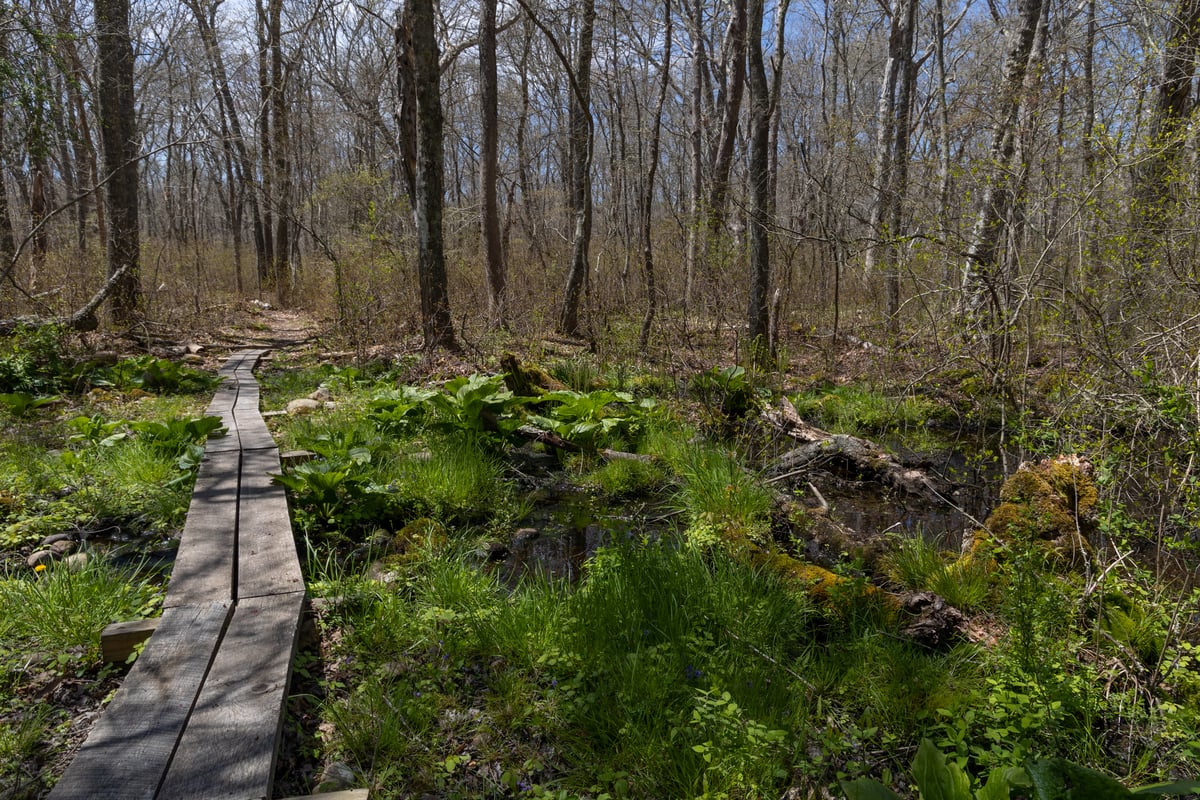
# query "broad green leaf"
(938, 778)
(867, 789)
(1167, 789)
(1059, 779)
(1000, 783)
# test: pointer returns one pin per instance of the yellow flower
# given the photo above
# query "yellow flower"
(40, 568)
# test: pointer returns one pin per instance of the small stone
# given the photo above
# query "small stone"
(334, 778)
(303, 405)
(40, 558)
(523, 536)
(194, 348)
(191, 358)
(106, 357)
(76, 562)
(56, 537)
(322, 394)
(63, 547)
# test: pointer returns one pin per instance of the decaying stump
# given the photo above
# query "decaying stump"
(1051, 504)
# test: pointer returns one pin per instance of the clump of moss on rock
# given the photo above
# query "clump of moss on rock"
(1050, 504)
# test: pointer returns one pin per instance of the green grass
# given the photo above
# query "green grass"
(61, 610)
(719, 491)
(865, 410)
(918, 565)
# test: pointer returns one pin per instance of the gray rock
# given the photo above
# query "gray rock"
(63, 547)
(40, 558)
(322, 394)
(334, 778)
(56, 537)
(76, 562)
(303, 405)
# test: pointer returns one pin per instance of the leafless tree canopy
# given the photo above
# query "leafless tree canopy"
(1000, 179)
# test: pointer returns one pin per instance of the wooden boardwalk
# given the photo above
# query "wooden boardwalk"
(200, 712)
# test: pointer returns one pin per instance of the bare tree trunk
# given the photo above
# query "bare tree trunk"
(695, 152)
(983, 301)
(119, 134)
(1157, 182)
(436, 324)
(281, 276)
(647, 198)
(8, 243)
(733, 59)
(244, 168)
(582, 138)
(891, 153)
(761, 206)
(493, 251)
(266, 261)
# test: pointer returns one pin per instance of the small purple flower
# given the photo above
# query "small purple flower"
(693, 673)
(523, 786)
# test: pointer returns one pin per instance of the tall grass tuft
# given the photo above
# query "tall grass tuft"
(717, 490)
(918, 565)
(63, 610)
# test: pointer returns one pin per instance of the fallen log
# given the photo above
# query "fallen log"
(849, 455)
(82, 321)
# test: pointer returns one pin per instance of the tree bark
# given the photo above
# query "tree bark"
(647, 195)
(891, 153)
(733, 57)
(1157, 180)
(281, 277)
(493, 251)
(983, 296)
(761, 205)
(581, 141)
(120, 142)
(436, 324)
(245, 193)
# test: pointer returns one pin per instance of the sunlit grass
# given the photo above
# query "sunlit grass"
(63, 610)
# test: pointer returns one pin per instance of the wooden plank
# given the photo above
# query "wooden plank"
(131, 745)
(222, 405)
(267, 561)
(228, 748)
(252, 428)
(206, 559)
(120, 639)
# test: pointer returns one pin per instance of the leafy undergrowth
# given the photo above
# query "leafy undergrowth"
(678, 666)
(101, 456)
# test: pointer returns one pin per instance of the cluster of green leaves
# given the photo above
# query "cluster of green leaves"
(937, 776)
(150, 374)
(594, 418)
(728, 388)
(113, 471)
(33, 361)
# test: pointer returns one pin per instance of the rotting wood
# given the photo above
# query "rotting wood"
(119, 640)
(129, 749)
(849, 454)
(228, 748)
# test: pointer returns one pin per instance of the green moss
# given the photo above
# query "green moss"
(1051, 503)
